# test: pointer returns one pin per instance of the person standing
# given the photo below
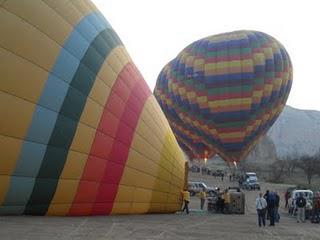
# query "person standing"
(271, 202)
(202, 196)
(316, 209)
(266, 197)
(261, 206)
(186, 200)
(286, 197)
(226, 197)
(219, 201)
(301, 204)
(276, 210)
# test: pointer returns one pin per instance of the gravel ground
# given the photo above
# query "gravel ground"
(197, 225)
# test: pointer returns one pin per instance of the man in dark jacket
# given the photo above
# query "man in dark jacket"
(276, 212)
(301, 204)
(271, 201)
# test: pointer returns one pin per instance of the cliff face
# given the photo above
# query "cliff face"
(263, 153)
(296, 132)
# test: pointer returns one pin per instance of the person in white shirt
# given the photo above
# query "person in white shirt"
(261, 206)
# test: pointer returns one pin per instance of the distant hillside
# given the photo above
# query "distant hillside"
(263, 153)
(296, 132)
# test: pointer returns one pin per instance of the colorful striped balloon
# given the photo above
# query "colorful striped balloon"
(81, 132)
(222, 93)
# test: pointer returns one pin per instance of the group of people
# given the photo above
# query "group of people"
(267, 206)
(222, 202)
(186, 199)
(300, 206)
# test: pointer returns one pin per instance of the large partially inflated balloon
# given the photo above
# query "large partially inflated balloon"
(80, 131)
(222, 93)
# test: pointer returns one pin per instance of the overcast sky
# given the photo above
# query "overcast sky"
(154, 32)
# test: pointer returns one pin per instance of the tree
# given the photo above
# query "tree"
(290, 163)
(277, 171)
(317, 158)
(310, 165)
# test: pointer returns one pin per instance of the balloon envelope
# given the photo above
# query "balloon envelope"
(223, 92)
(80, 131)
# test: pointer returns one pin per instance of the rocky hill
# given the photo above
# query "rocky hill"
(263, 153)
(296, 132)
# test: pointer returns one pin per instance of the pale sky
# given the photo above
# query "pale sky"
(154, 32)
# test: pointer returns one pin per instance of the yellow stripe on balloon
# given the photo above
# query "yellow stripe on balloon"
(259, 59)
(257, 93)
(247, 64)
(67, 10)
(139, 192)
(268, 52)
(267, 90)
(191, 95)
(202, 99)
(131, 187)
(232, 135)
(113, 65)
(49, 49)
(230, 102)
(45, 20)
(198, 65)
(277, 84)
(210, 69)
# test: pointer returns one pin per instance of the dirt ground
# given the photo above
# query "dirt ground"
(197, 225)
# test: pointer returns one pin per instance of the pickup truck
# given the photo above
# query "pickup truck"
(195, 187)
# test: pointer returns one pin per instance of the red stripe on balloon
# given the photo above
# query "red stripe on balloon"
(110, 149)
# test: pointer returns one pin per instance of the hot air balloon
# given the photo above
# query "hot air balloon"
(80, 131)
(223, 92)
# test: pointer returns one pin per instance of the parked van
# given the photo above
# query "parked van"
(251, 176)
(251, 181)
